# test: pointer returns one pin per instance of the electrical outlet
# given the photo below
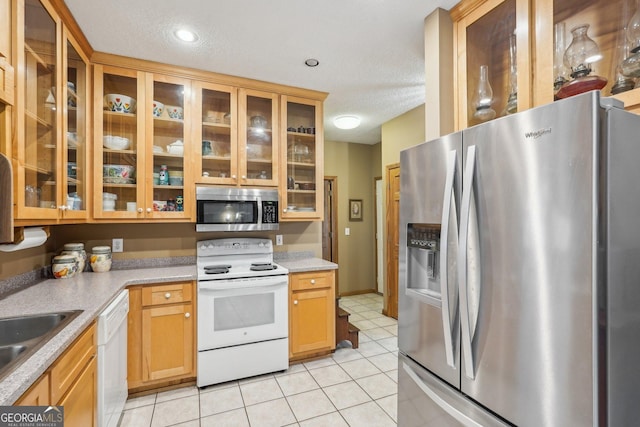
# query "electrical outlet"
(117, 245)
(278, 239)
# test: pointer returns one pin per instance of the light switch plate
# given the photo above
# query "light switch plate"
(347, 231)
(117, 245)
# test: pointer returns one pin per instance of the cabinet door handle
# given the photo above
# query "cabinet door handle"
(148, 210)
(313, 281)
(295, 302)
(140, 210)
(167, 295)
(187, 315)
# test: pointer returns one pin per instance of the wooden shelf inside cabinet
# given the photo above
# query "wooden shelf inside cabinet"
(310, 136)
(301, 164)
(38, 170)
(217, 158)
(165, 123)
(39, 60)
(110, 151)
(263, 161)
(106, 184)
(219, 128)
(168, 187)
(258, 130)
(41, 122)
(168, 155)
(124, 116)
(73, 181)
(302, 191)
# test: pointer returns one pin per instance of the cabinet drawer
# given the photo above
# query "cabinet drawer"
(311, 280)
(68, 366)
(166, 294)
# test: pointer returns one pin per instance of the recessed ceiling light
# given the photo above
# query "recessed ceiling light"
(311, 62)
(186, 35)
(347, 122)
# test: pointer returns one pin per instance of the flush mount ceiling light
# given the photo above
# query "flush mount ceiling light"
(311, 62)
(186, 35)
(347, 122)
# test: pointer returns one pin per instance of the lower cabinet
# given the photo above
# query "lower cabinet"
(161, 335)
(311, 314)
(71, 381)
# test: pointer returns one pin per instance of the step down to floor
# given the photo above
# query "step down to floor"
(345, 331)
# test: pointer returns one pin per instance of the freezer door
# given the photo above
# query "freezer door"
(430, 185)
(527, 245)
(425, 401)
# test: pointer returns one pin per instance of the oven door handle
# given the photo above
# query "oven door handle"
(262, 283)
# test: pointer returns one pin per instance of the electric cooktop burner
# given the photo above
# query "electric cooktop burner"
(217, 269)
(262, 266)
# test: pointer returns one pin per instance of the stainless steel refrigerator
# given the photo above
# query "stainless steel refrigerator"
(519, 271)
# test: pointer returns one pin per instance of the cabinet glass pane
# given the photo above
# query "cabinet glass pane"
(301, 155)
(259, 138)
(216, 133)
(40, 107)
(120, 144)
(488, 44)
(168, 147)
(76, 194)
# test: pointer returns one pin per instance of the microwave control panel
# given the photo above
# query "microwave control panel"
(269, 212)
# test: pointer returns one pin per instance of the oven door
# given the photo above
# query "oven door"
(241, 311)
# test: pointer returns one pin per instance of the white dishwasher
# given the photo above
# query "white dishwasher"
(112, 360)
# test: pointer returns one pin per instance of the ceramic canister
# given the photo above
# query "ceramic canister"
(101, 259)
(64, 266)
(76, 249)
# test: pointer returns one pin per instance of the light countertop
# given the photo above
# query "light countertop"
(91, 293)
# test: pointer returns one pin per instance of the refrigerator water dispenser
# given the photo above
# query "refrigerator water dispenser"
(423, 243)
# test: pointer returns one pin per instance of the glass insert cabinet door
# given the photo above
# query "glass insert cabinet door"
(38, 106)
(119, 145)
(257, 157)
(215, 131)
(168, 109)
(303, 172)
(76, 75)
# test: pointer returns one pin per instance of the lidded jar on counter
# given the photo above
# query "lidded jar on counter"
(64, 266)
(77, 250)
(101, 259)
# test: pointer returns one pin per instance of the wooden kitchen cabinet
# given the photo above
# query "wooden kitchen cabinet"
(311, 314)
(71, 381)
(481, 37)
(50, 154)
(302, 171)
(143, 156)
(161, 335)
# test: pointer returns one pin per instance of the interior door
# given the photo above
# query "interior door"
(430, 186)
(393, 215)
(526, 295)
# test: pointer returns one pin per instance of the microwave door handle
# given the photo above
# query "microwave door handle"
(463, 247)
(259, 219)
(444, 259)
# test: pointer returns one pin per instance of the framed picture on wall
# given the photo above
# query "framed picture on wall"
(355, 209)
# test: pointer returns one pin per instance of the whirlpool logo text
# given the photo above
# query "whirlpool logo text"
(537, 133)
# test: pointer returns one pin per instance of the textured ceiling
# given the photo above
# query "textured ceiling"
(370, 51)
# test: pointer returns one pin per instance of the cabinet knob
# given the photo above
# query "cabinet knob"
(63, 207)
(167, 295)
(295, 302)
(187, 315)
(148, 210)
(244, 177)
(313, 281)
(233, 176)
(284, 210)
(139, 210)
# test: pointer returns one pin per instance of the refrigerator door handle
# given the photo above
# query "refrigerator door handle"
(433, 395)
(444, 259)
(465, 316)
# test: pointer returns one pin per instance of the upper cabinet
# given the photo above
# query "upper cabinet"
(514, 39)
(50, 152)
(301, 182)
(491, 60)
(215, 118)
(143, 147)
(258, 138)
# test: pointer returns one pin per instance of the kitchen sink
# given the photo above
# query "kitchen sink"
(22, 336)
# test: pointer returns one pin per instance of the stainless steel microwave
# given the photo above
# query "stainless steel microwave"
(236, 209)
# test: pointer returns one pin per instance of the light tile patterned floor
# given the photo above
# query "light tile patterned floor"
(349, 388)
